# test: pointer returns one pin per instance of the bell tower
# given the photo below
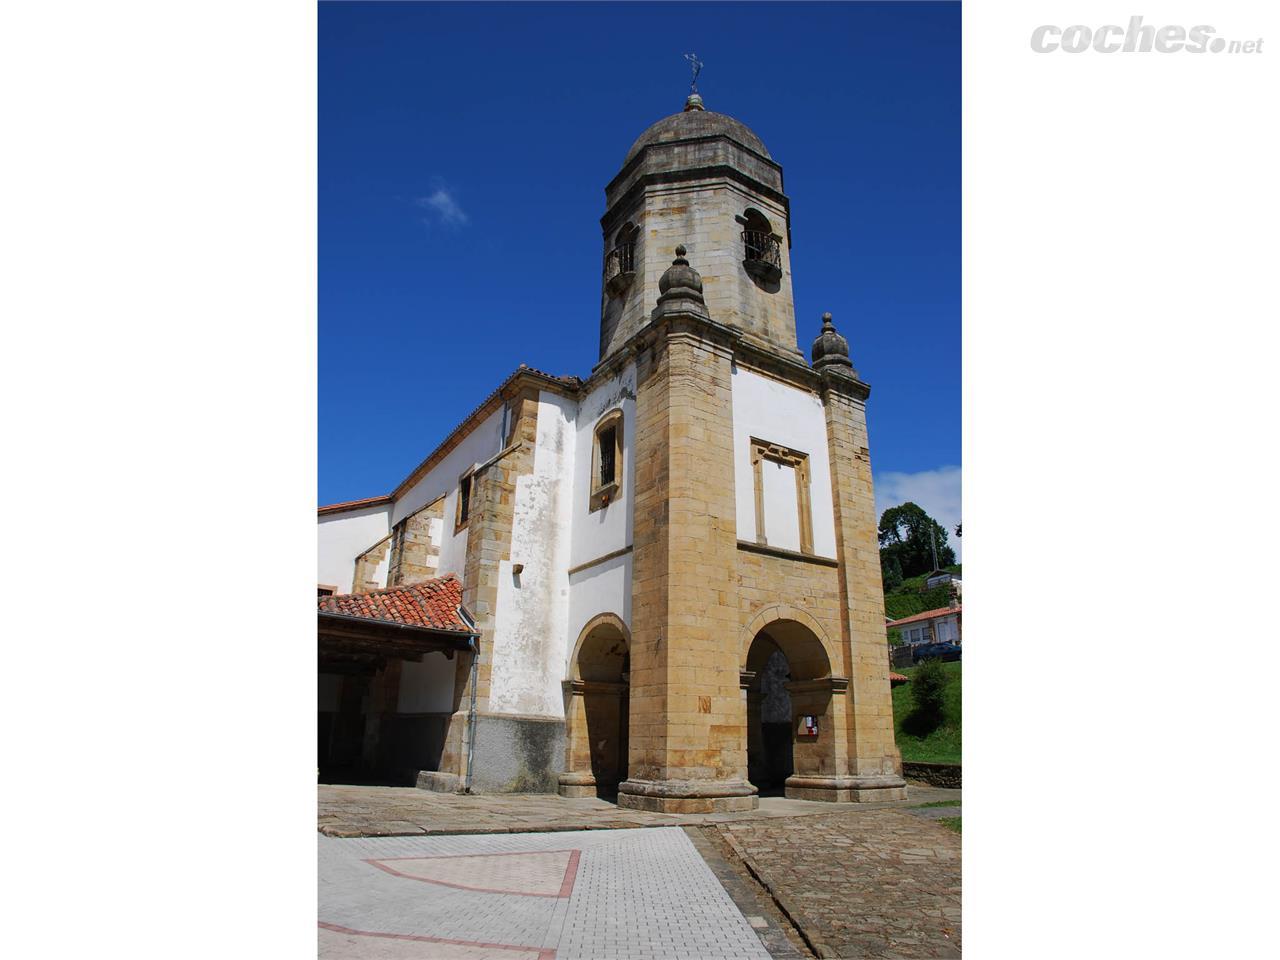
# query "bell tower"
(752, 517)
(704, 180)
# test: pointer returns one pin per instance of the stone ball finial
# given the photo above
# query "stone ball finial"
(830, 349)
(680, 287)
(693, 102)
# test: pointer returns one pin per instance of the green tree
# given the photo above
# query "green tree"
(891, 573)
(904, 539)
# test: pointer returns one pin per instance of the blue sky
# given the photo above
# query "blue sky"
(463, 154)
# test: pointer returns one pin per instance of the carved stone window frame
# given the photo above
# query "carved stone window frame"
(762, 450)
(604, 494)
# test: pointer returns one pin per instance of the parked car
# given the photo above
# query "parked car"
(935, 651)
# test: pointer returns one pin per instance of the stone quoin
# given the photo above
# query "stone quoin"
(665, 576)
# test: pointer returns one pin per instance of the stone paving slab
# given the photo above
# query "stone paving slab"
(365, 811)
(873, 884)
(625, 895)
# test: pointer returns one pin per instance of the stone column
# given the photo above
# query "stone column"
(687, 730)
(874, 770)
(577, 779)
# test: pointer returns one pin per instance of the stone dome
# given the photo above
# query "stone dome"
(696, 122)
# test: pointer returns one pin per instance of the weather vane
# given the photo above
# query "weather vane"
(696, 64)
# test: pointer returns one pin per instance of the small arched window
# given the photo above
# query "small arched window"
(620, 259)
(761, 247)
(606, 460)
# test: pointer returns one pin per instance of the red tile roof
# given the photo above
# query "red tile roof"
(431, 604)
(927, 615)
(897, 677)
(354, 504)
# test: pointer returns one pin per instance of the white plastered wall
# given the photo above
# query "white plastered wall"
(600, 532)
(775, 412)
(781, 505)
(342, 537)
(603, 587)
(426, 687)
(531, 619)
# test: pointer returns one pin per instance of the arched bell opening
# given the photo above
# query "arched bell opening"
(596, 708)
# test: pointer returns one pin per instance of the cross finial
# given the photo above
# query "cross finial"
(696, 65)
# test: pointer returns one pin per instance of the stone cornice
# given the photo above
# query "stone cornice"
(712, 172)
(754, 355)
(630, 166)
(835, 381)
(782, 554)
(613, 555)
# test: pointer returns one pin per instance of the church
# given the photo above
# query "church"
(659, 583)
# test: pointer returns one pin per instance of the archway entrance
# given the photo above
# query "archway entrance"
(596, 708)
(788, 686)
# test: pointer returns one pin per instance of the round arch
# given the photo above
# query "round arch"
(603, 626)
(773, 620)
(788, 687)
(597, 708)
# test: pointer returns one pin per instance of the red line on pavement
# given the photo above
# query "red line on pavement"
(543, 954)
(570, 873)
(566, 887)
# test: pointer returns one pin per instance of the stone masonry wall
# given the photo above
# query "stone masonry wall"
(687, 724)
(701, 215)
(415, 546)
(366, 575)
(870, 731)
(489, 528)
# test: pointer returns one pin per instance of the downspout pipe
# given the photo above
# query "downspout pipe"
(471, 712)
(473, 642)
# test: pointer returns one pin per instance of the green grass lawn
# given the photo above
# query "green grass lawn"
(951, 823)
(943, 744)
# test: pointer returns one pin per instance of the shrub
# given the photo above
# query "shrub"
(926, 691)
(895, 638)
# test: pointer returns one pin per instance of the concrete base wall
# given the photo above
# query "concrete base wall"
(518, 754)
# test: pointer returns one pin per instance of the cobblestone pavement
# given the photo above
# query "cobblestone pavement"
(598, 895)
(361, 811)
(775, 930)
(865, 883)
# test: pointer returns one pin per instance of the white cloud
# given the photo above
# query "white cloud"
(446, 209)
(936, 491)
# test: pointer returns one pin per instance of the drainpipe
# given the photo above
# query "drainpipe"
(471, 712)
(474, 643)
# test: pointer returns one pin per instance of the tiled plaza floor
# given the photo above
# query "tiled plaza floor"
(595, 895)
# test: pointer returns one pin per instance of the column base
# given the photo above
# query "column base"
(846, 789)
(577, 785)
(439, 782)
(688, 796)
